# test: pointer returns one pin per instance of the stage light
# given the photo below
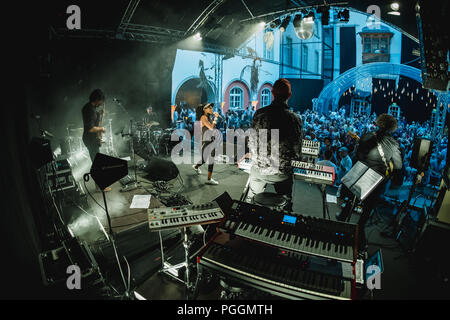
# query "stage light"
(325, 11)
(395, 7)
(285, 24)
(197, 36)
(344, 15)
(275, 23)
(262, 24)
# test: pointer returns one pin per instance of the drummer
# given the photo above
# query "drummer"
(150, 118)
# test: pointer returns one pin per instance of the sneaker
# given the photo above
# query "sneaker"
(212, 181)
(197, 169)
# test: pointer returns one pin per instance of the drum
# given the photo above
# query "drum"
(270, 200)
(156, 136)
(165, 144)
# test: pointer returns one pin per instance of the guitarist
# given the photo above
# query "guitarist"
(91, 123)
(381, 152)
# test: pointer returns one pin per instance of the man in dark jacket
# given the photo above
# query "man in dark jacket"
(271, 163)
(381, 152)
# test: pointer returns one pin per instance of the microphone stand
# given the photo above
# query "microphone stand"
(111, 238)
(134, 184)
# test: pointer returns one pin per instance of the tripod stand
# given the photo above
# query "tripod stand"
(172, 270)
(403, 215)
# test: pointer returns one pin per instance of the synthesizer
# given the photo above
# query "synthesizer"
(310, 148)
(293, 232)
(286, 274)
(313, 173)
(184, 216)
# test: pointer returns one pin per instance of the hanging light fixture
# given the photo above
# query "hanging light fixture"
(285, 23)
(304, 28)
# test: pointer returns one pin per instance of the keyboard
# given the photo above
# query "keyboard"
(313, 173)
(282, 273)
(293, 231)
(183, 216)
(310, 148)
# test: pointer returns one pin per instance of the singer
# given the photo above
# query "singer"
(204, 113)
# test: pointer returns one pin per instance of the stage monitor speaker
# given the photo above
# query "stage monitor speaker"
(431, 19)
(434, 240)
(443, 203)
(40, 152)
(106, 170)
(421, 152)
(161, 170)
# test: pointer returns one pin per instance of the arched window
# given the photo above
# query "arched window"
(236, 98)
(265, 97)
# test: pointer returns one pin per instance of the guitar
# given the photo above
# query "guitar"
(100, 133)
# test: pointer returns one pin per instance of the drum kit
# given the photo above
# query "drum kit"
(150, 139)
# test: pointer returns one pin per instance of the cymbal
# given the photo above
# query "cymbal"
(152, 123)
(76, 129)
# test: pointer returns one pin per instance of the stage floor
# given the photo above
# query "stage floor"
(400, 280)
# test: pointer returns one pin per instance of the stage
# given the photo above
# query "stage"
(403, 278)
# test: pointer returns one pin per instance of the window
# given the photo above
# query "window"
(236, 98)
(265, 97)
(316, 65)
(376, 45)
(288, 52)
(304, 57)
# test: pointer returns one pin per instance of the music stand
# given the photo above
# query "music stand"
(361, 181)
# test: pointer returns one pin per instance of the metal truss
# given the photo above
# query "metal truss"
(200, 21)
(126, 18)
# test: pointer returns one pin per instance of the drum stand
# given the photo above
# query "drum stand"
(172, 270)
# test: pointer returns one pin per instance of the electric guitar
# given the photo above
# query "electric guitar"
(100, 133)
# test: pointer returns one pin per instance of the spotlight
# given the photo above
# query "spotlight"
(325, 11)
(395, 6)
(262, 24)
(344, 15)
(285, 24)
(275, 23)
(197, 36)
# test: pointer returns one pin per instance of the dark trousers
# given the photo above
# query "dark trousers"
(207, 158)
(93, 149)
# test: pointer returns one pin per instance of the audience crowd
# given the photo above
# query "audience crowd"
(338, 135)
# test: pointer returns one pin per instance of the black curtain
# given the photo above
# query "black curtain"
(303, 91)
(347, 48)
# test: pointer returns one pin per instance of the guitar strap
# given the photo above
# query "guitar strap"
(380, 150)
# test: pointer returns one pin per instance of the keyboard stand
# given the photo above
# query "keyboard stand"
(323, 191)
(172, 270)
